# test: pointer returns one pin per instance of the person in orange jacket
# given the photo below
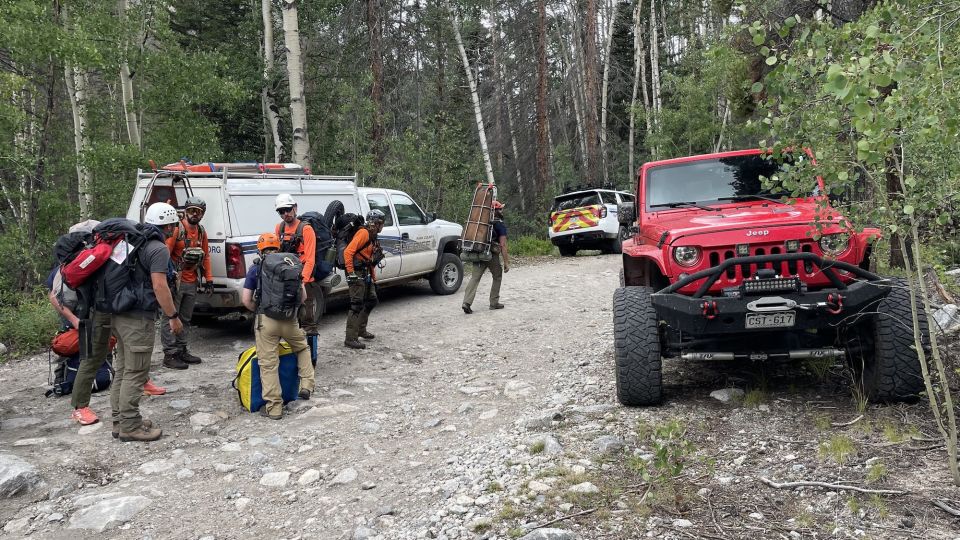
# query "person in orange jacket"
(296, 237)
(190, 251)
(361, 257)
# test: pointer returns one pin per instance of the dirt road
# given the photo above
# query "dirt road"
(480, 426)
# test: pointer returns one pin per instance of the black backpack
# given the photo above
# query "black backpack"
(69, 245)
(127, 286)
(278, 289)
(314, 220)
(345, 227)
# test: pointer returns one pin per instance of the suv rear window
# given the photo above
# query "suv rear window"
(576, 200)
(708, 180)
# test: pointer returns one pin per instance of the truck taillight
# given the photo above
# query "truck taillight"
(603, 212)
(236, 266)
(550, 218)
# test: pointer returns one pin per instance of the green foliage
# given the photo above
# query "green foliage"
(839, 448)
(27, 326)
(529, 246)
(537, 447)
(671, 451)
(877, 472)
(754, 398)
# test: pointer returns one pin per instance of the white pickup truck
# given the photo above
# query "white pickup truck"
(240, 207)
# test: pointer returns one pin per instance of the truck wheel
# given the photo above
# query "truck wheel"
(448, 276)
(637, 347)
(616, 245)
(567, 251)
(334, 210)
(890, 365)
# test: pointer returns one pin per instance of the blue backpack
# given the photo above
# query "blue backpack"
(64, 373)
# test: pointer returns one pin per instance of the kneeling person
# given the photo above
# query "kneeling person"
(265, 292)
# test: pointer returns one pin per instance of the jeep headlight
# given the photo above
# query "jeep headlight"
(834, 244)
(686, 255)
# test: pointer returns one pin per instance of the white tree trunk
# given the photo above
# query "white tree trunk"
(271, 112)
(654, 78)
(603, 95)
(473, 94)
(298, 102)
(639, 74)
(575, 94)
(77, 85)
(126, 88)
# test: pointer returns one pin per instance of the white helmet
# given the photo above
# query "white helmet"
(161, 214)
(284, 200)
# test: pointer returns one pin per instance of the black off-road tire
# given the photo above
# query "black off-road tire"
(639, 367)
(891, 371)
(567, 251)
(448, 276)
(616, 245)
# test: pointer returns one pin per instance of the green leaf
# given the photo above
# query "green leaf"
(873, 31)
(862, 109)
(842, 176)
(908, 210)
(881, 79)
(771, 60)
(790, 22)
(765, 50)
(756, 87)
(833, 123)
(863, 145)
(758, 39)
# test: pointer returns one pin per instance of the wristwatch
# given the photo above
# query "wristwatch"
(175, 315)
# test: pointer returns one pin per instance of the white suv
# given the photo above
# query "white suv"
(240, 207)
(587, 219)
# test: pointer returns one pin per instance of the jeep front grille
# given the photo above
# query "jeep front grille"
(736, 274)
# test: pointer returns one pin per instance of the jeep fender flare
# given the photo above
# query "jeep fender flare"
(446, 244)
(644, 267)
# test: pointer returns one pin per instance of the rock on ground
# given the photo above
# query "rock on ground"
(108, 513)
(16, 476)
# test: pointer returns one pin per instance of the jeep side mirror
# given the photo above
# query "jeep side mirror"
(626, 213)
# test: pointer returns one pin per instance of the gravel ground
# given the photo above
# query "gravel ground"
(491, 425)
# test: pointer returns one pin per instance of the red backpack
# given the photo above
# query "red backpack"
(86, 263)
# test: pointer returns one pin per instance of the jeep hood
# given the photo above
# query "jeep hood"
(689, 222)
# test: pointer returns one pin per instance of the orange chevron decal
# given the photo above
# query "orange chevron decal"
(576, 218)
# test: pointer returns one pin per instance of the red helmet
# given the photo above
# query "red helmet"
(497, 205)
(268, 241)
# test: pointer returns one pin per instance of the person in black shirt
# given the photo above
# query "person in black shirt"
(498, 248)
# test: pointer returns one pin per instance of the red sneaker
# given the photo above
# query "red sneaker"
(85, 416)
(150, 389)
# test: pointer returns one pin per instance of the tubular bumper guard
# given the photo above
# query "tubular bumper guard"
(703, 315)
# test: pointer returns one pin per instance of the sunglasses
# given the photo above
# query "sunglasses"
(283, 211)
(194, 210)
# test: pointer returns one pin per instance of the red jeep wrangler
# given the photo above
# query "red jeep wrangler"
(717, 268)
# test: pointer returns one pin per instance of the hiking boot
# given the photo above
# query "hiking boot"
(367, 335)
(265, 414)
(497, 306)
(84, 416)
(304, 394)
(150, 389)
(141, 434)
(189, 358)
(354, 344)
(466, 309)
(143, 423)
(173, 361)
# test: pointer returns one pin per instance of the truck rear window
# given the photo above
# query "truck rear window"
(708, 180)
(576, 200)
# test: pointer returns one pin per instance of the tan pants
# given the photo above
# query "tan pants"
(268, 333)
(131, 367)
(496, 270)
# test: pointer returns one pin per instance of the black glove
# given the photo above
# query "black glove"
(206, 287)
(353, 278)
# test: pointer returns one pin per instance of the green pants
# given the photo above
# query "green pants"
(363, 298)
(496, 270)
(89, 365)
(185, 299)
(132, 367)
(268, 332)
(312, 309)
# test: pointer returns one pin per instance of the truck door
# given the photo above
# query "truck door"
(389, 237)
(418, 243)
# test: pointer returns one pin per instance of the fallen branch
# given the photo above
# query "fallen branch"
(836, 487)
(845, 424)
(561, 518)
(945, 507)
(925, 448)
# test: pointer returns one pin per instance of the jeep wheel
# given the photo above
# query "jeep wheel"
(616, 245)
(637, 347)
(567, 251)
(889, 367)
(448, 276)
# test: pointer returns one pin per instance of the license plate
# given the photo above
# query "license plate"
(782, 319)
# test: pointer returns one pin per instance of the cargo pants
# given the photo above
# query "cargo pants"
(135, 334)
(89, 365)
(363, 298)
(268, 332)
(496, 270)
(311, 310)
(185, 299)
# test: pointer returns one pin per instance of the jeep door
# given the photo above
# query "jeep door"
(417, 241)
(389, 236)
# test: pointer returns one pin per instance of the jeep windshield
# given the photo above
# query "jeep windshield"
(710, 181)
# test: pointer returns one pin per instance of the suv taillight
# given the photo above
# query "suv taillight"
(603, 212)
(236, 266)
(550, 219)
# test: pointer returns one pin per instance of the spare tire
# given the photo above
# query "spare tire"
(334, 210)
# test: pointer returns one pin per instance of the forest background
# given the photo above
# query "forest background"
(433, 96)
